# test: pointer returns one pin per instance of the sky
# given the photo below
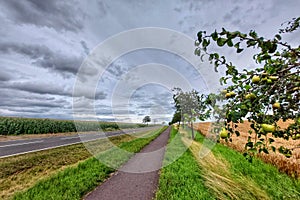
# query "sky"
(46, 48)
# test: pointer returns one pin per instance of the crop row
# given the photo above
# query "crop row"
(17, 126)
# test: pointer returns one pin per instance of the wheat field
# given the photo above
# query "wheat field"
(290, 166)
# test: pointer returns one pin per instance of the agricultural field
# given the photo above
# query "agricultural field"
(20, 126)
(290, 166)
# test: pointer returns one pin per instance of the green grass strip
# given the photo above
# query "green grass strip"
(75, 182)
(277, 185)
(182, 178)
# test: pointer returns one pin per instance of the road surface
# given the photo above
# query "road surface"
(17, 147)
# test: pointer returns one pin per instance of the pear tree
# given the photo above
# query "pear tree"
(262, 95)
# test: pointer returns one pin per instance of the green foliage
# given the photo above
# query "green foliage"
(147, 119)
(176, 117)
(251, 93)
(190, 105)
(17, 126)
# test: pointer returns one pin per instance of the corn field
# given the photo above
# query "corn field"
(17, 126)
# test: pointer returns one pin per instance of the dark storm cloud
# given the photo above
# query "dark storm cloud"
(43, 56)
(56, 14)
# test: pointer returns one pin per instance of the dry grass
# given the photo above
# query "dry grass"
(290, 166)
(219, 179)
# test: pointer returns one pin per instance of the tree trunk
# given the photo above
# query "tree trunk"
(193, 136)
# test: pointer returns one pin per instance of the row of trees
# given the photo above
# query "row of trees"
(263, 95)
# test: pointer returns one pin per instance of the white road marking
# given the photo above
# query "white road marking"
(19, 144)
(68, 138)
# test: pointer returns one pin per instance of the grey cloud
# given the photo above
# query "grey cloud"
(56, 14)
(85, 47)
(51, 89)
(5, 76)
(30, 110)
(23, 103)
(116, 69)
(40, 88)
(44, 57)
(102, 8)
(232, 14)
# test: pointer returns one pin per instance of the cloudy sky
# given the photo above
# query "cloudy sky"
(44, 43)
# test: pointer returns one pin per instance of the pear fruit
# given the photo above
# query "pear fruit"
(255, 79)
(276, 105)
(223, 133)
(268, 127)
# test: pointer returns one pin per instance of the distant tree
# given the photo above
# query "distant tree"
(176, 117)
(191, 106)
(147, 119)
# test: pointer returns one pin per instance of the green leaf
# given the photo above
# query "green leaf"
(237, 45)
(247, 87)
(239, 50)
(214, 35)
(273, 148)
(223, 31)
(273, 48)
(197, 52)
(229, 43)
(221, 41)
(265, 150)
(278, 37)
(253, 34)
(202, 57)
(205, 43)
(199, 35)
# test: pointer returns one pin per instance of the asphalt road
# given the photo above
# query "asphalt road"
(17, 147)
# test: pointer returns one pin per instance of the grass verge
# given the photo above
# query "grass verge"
(181, 179)
(75, 181)
(264, 176)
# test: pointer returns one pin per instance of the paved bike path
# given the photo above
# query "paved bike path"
(138, 178)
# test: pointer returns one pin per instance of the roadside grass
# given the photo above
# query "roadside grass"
(75, 181)
(18, 173)
(218, 177)
(181, 179)
(267, 177)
